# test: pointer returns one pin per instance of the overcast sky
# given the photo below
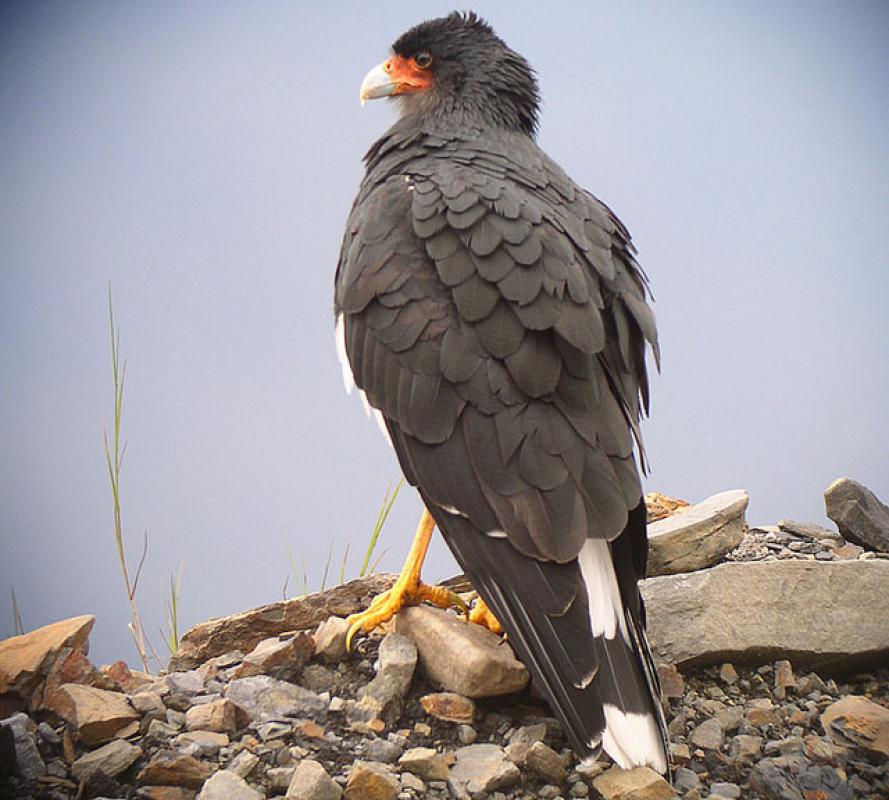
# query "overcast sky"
(203, 157)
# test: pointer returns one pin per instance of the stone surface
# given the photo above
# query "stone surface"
(368, 781)
(858, 513)
(449, 706)
(807, 529)
(642, 783)
(261, 697)
(708, 735)
(311, 782)
(832, 614)
(697, 536)
(245, 630)
(462, 658)
(218, 716)
(672, 684)
(330, 639)
(174, 769)
(25, 660)
(243, 763)
(425, 763)
(546, 762)
(225, 785)
(483, 768)
(26, 755)
(96, 714)
(112, 759)
(282, 657)
(383, 697)
(855, 720)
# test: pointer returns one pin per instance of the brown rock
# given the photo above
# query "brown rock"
(173, 769)
(728, 674)
(697, 536)
(784, 679)
(857, 721)
(219, 716)
(311, 782)
(462, 658)
(672, 682)
(97, 714)
(660, 505)
(546, 762)
(762, 712)
(164, 793)
(370, 781)
(310, 730)
(127, 680)
(281, 657)
(330, 639)
(245, 630)
(449, 706)
(425, 763)
(25, 660)
(642, 783)
(679, 753)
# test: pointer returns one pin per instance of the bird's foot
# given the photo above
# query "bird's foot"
(482, 615)
(405, 592)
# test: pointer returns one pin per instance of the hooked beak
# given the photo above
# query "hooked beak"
(377, 83)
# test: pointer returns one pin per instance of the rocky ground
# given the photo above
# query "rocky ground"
(268, 704)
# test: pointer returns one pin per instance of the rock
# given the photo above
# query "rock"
(218, 716)
(660, 505)
(483, 768)
(97, 714)
(411, 781)
(173, 769)
(449, 706)
(708, 735)
(546, 762)
(529, 734)
(685, 779)
(745, 746)
(147, 702)
(368, 781)
(857, 721)
(672, 683)
(466, 734)
(384, 751)
(761, 712)
(783, 678)
(188, 683)
(858, 513)
(112, 759)
(26, 660)
(697, 536)
(244, 631)
(225, 785)
(282, 657)
(26, 756)
(311, 782)
(725, 789)
(728, 674)
(425, 763)
(261, 697)
(727, 613)
(201, 743)
(383, 697)
(243, 763)
(330, 639)
(641, 783)
(807, 529)
(462, 658)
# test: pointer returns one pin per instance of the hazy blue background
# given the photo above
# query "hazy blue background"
(203, 156)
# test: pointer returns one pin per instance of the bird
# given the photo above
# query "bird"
(496, 321)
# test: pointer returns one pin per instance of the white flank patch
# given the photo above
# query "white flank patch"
(348, 378)
(603, 595)
(633, 740)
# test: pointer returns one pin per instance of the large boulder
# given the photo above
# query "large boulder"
(829, 615)
(244, 631)
(697, 536)
(858, 513)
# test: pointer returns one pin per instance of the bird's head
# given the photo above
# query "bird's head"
(457, 68)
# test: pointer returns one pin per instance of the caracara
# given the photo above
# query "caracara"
(495, 318)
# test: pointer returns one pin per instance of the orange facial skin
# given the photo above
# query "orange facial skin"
(406, 75)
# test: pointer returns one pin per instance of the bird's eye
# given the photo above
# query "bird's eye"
(423, 59)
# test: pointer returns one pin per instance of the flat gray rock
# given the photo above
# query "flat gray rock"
(112, 759)
(311, 782)
(858, 513)
(816, 614)
(261, 697)
(808, 529)
(226, 785)
(483, 768)
(697, 536)
(383, 697)
(459, 656)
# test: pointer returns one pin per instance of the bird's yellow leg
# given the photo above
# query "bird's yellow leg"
(408, 589)
(482, 615)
